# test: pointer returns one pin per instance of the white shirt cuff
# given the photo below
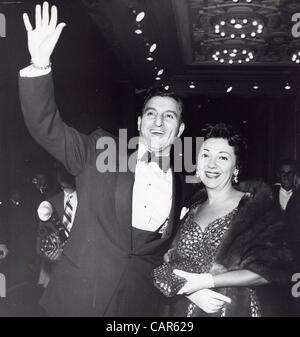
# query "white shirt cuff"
(30, 71)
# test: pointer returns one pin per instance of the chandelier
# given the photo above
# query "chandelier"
(233, 55)
(238, 25)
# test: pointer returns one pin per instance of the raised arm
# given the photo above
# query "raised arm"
(37, 94)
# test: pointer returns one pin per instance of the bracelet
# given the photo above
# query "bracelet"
(41, 68)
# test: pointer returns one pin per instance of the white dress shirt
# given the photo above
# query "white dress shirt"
(152, 194)
(284, 197)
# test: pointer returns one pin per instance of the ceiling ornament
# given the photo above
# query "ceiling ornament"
(236, 55)
(259, 25)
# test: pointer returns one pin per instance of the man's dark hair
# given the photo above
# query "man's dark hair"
(234, 137)
(289, 162)
(161, 92)
(64, 176)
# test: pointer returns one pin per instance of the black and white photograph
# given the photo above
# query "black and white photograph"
(150, 161)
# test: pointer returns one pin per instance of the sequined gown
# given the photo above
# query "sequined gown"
(200, 246)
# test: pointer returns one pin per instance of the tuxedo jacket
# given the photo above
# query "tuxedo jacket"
(99, 258)
(276, 191)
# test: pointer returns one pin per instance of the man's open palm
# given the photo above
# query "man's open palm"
(43, 38)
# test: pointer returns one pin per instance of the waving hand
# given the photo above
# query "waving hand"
(43, 38)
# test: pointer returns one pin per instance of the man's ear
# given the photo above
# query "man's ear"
(180, 129)
(139, 121)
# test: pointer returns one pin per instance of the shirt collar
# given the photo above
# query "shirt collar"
(67, 195)
(282, 190)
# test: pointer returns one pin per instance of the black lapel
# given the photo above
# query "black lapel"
(123, 197)
(176, 206)
(60, 206)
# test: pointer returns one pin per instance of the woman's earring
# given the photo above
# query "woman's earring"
(197, 173)
(235, 176)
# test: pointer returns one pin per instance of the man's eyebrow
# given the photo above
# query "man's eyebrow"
(167, 111)
(173, 112)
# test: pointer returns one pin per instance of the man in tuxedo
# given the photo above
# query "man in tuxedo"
(64, 205)
(284, 189)
(125, 221)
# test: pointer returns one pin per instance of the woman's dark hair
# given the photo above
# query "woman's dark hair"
(232, 135)
(161, 92)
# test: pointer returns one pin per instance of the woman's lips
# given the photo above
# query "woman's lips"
(212, 174)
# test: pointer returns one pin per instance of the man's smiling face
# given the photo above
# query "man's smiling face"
(160, 124)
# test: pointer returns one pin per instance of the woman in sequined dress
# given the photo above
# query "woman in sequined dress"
(231, 239)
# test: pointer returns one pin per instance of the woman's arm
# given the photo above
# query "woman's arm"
(237, 278)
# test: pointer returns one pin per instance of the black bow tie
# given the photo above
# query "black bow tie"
(162, 161)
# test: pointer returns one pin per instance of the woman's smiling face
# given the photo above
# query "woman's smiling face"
(216, 163)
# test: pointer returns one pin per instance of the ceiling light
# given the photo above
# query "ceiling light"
(255, 86)
(166, 87)
(152, 47)
(229, 89)
(234, 55)
(192, 85)
(296, 57)
(287, 87)
(157, 78)
(160, 72)
(138, 31)
(140, 16)
(238, 26)
(150, 58)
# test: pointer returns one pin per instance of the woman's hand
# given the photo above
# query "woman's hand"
(42, 39)
(208, 300)
(194, 282)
